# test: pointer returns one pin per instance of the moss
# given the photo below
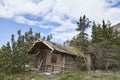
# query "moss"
(71, 49)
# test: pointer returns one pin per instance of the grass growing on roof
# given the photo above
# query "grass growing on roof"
(71, 49)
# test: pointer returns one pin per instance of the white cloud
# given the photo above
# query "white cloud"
(4, 12)
(113, 15)
(21, 19)
(18, 7)
(112, 2)
(64, 36)
(64, 32)
(55, 11)
(65, 26)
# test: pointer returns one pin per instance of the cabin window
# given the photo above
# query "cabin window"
(54, 58)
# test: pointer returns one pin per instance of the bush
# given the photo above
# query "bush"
(83, 67)
(2, 76)
(71, 76)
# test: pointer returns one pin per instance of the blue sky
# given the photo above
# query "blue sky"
(57, 17)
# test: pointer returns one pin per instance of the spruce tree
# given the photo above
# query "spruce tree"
(81, 40)
(82, 37)
(105, 50)
(14, 55)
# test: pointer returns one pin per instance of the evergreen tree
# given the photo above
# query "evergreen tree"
(94, 32)
(81, 40)
(104, 47)
(15, 56)
(49, 37)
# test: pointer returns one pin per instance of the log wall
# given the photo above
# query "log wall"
(64, 63)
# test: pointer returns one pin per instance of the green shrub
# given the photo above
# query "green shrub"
(70, 76)
(83, 67)
(2, 76)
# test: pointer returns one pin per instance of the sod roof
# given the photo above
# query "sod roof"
(64, 49)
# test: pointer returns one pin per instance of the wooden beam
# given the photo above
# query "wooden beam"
(39, 66)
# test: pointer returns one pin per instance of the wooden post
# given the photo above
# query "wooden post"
(46, 65)
(39, 66)
(87, 59)
(63, 65)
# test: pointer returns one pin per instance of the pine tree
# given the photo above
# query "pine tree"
(94, 33)
(104, 47)
(81, 40)
(14, 56)
(49, 37)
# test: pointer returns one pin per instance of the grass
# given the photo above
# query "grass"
(75, 75)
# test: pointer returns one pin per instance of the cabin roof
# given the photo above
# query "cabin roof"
(42, 44)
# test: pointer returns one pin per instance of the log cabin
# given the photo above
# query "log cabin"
(54, 57)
